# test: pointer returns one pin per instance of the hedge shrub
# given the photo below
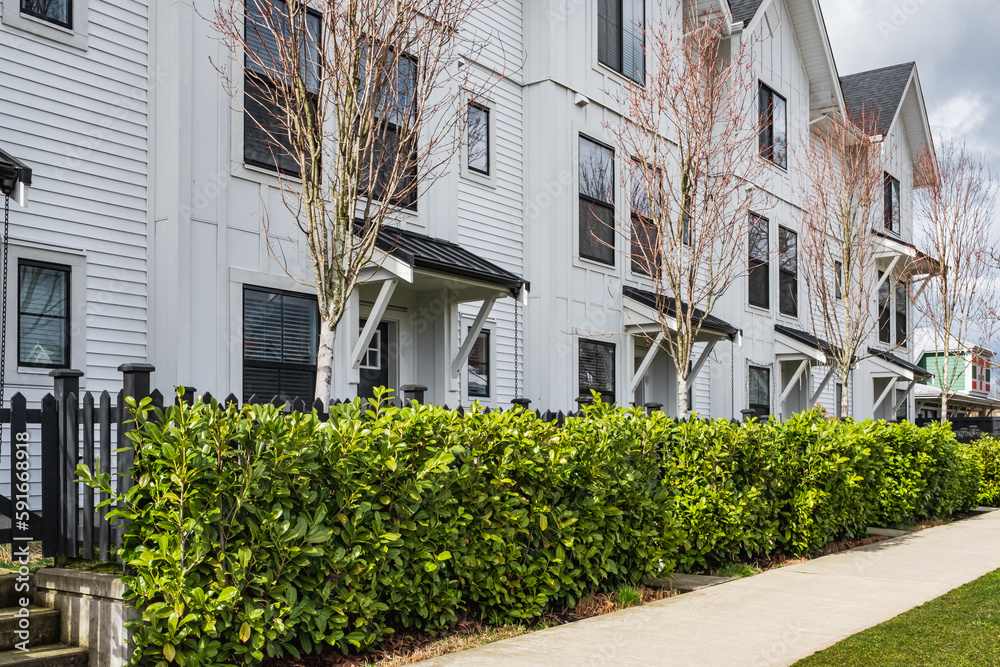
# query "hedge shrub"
(987, 452)
(255, 533)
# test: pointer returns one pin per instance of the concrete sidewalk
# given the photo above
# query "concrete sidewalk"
(774, 618)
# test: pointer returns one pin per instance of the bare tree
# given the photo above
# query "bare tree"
(840, 246)
(690, 130)
(956, 217)
(361, 104)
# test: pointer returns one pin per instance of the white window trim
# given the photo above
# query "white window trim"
(777, 90)
(595, 51)
(77, 262)
(491, 400)
(77, 37)
(487, 180)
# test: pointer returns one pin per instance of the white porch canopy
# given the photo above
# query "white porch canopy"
(793, 345)
(895, 369)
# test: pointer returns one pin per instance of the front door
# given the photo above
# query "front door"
(375, 362)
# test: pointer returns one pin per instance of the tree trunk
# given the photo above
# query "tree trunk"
(324, 362)
(844, 396)
(944, 406)
(682, 397)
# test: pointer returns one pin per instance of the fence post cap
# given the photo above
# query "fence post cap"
(136, 368)
(413, 387)
(65, 373)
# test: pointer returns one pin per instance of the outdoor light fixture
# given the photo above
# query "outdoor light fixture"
(15, 178)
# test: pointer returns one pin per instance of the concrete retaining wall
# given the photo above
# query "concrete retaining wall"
(93, 612)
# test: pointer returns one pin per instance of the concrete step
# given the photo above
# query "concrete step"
(53, 655)
(43, 627)
(9, 595)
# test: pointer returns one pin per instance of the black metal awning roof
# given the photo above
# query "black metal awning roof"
(917, 371)
(13, 171)
(648, 299)
(806, 339)
(432, 254)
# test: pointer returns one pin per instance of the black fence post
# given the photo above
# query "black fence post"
(50, 477)
(413, 392)
(67, 391)
(135, 383)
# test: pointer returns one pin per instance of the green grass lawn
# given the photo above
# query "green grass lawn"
(959, 629)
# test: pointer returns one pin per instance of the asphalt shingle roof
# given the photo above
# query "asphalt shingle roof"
(744, 10)
(878, 92)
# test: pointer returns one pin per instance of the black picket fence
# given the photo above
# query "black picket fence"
(92, 429)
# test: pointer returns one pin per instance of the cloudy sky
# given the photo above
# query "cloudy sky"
(954, 44)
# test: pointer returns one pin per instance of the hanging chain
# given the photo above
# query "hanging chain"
(517, 351)
(3, 305)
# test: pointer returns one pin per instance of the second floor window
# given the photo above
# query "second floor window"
(758, 263)
(838, 277)
(43, 315)
(773, 129)
(884, 311)
(892, 206)
(597, 202)
(645, 255)
(59, 12)
(620, 37)
(788, 270)
(902, 300)
(266, 142)
(479, 138)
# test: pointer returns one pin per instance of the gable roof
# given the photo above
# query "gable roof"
(877, 93)
(894, 93)
(710, 322)
(744, 10)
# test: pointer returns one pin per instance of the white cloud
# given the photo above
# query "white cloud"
(961, 116)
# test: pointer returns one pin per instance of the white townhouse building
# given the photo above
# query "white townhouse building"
(175, 246)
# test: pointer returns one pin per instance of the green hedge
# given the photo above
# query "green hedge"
(255, 533)
(987, 451)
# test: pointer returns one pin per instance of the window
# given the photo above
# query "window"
(838, 269)
(788, 272)
(43, 315)
(901, 307)
(479, 138)
(371, 359)
(884, 314)
(266, 142)
(759, 262)
(59, 12)
(892, 210)
(838, 399)
(479, 366)
(773, 127)
(760, 392)
(280, 338)
(620, 37)
(903, 411)
(597, 369)
(597, 201)
(645, 255)
(395, 82)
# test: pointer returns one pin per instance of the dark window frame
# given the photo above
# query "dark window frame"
(485, 110)
(274, 365)
(28, 11)
(588, 202)
(68, 338)
(262, 80)
(489, 366)
(769, 139)
(608, 396)
(884, 306)
(892, 204)
(761, 411)
(901, 319)
(644, 230)
(838, 278)
(759, 269)
(630, 40)
(788, 278)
